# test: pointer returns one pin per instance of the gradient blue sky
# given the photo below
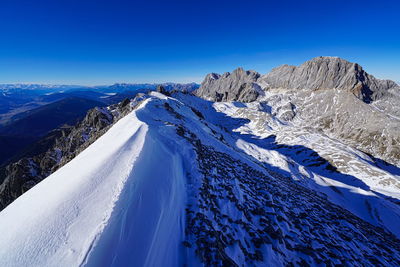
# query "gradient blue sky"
(102, 42)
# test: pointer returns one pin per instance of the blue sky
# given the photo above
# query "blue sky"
(103, 42)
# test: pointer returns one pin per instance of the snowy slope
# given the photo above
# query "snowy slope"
(181, 180)
(347, 176)
(126, 188)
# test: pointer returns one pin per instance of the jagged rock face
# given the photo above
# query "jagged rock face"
(240, 85)
(320, 73)
(161, 89)
(65, 144)
(329, 73)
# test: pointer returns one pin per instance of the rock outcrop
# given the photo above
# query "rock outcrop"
(240, 85)
(329, 73)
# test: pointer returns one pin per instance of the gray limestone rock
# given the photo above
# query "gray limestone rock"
(329, 73)
(240, 85)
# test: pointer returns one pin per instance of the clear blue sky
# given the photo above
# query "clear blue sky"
(102, 42)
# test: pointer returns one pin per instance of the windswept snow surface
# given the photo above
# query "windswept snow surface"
(347, 176)
(119, 202)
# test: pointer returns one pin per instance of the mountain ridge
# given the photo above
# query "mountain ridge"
(316, 74)
(329, 73)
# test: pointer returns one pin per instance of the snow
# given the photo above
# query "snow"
(108, 95)
(359, 187)
(118, 202)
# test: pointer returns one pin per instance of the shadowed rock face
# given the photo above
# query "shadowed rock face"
(240, 85)
(329, 73)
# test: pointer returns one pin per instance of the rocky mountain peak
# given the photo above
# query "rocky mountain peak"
(320, 73)
(240, 85)
(212, 76)
(329, 73)
(251, 74)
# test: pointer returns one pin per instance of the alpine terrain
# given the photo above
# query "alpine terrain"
(297, 167)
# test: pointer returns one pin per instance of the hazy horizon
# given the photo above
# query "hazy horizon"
(197, 80)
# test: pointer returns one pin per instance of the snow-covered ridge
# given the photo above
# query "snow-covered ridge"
(108, 182)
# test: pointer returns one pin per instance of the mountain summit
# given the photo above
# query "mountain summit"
(239, 85)
(329, 73)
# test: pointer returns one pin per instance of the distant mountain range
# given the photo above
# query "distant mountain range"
(37, 89)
